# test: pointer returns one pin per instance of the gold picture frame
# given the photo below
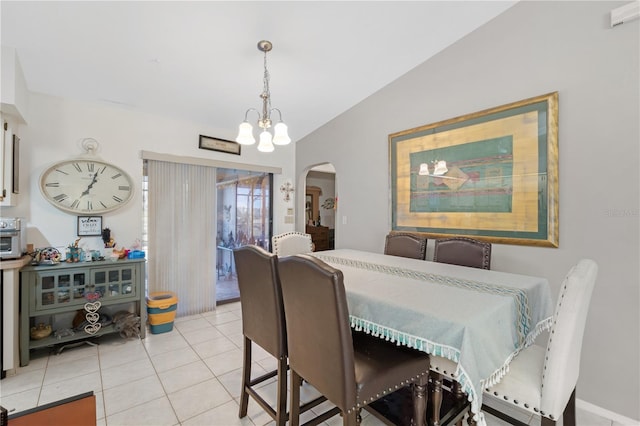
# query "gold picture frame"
(490, 175)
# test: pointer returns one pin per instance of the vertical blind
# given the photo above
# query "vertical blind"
(181, 230)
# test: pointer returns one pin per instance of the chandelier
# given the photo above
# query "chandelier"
(267, 140)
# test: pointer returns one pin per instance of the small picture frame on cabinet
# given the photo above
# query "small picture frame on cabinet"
(89, 226)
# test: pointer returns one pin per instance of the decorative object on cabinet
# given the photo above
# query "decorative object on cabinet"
(70, 287)
(127, 324)
(86, 184)
(48, 256)
(220, 145)
(92, 316)
(495, 175)
(74, 252)
(106, 238)
(40, 331)
(280, 133)
(89, 226)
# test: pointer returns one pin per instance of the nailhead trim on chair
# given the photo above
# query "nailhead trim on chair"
(515, 401)
(546, 358)
(445, 372)
(361, 404)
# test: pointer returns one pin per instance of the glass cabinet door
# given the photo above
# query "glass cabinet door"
(114, 282)
(60, 289)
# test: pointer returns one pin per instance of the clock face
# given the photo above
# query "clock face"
(86, 186)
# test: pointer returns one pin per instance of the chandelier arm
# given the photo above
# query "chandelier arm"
(246, 114)
(279, 112)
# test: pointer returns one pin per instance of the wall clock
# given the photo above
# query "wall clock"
(86, 185)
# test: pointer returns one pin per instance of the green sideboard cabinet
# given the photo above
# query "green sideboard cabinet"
(48, 291)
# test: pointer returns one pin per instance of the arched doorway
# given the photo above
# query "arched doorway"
(320, 206)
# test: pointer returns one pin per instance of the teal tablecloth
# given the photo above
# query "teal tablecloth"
(477, 318)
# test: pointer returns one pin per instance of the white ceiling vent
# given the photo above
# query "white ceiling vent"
(625, 13)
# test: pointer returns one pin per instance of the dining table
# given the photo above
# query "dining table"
(478, 319)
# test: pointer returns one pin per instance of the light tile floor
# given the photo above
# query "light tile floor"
(189, 376)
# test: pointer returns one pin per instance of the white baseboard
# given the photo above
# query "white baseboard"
(602, 412)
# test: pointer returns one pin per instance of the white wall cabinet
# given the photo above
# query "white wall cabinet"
(9, 165)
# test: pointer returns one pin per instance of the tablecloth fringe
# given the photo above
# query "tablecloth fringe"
(497, 375)
(421, 344)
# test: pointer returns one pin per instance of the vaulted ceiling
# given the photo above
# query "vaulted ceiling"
(199, 60)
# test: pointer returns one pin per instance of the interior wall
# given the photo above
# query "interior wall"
(532, 49)
(55, 132)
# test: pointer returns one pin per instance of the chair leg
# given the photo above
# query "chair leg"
(294, 414)
(246, 378)
(547, 422)
(420, 401)
(459, 395)
(435, 398)
(351, 419)
(569, 414)
(281, 409)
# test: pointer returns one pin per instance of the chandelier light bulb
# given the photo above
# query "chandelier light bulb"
(265, 144)
(245, 134)
(281, 136)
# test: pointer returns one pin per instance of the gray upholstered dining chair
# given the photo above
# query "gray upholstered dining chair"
(542, 380)
(290, 243)
(405, 245)
(263, 323)
(463, 251)
(350, 370)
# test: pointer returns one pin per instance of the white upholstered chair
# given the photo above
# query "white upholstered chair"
(291, 243)
(542, 380)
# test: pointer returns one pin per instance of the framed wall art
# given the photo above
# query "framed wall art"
(490, 175)
(221, 145)
(89, 226)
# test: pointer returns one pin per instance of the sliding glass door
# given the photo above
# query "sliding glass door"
(244, 216)
(240, 213)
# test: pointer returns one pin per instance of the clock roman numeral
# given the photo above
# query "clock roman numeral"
(75, 204)
(119, 200)
(90, 167)
(103, 169)
(124, 187)
(116, 176)
(89, 205)
(103, 204)
(62, 171)
(53, 184)
(60, 198)
(77, 167)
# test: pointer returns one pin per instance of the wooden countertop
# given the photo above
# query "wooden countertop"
(15, 263)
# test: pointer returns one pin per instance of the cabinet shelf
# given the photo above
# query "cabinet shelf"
(78, 335)
(48, 291)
